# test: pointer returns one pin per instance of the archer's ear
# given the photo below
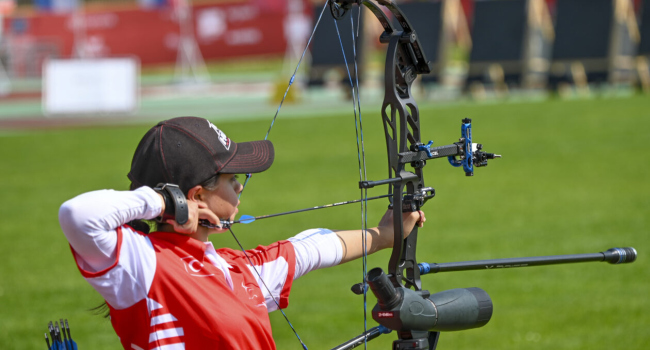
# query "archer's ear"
(196, 193)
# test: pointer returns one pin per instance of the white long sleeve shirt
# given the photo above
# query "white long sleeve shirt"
(90, 222)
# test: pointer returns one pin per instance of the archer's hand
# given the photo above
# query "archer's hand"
(409, 220)
(377, 238)
(196, 211)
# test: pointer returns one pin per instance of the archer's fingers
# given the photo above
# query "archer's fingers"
(422, 219)
(206, 214)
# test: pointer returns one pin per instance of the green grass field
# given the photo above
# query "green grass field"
(573, 179)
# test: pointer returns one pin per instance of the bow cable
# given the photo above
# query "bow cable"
(361, 156)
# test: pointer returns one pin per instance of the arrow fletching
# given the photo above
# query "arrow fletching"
(246, 219)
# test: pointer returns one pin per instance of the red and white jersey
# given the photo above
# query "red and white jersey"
(197, 299)
(167, 291)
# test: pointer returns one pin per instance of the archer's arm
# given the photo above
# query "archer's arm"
(320, 248)
(377, 238)
(89, 221)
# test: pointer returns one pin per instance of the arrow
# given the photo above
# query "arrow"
(247, 219)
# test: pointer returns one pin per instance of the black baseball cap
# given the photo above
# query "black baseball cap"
(187, 151)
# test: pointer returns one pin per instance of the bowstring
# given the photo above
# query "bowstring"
(365, 178)
(248, 176)
(364, 195)
(267, 288)
(361, 157)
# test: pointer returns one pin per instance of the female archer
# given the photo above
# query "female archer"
(171, 289)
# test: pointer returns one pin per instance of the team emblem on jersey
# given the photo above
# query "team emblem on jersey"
(253, 295)
(195, 267)
(225, 141)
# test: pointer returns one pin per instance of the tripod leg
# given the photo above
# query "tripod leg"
(433, 340)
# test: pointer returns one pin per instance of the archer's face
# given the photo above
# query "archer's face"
(223, 200)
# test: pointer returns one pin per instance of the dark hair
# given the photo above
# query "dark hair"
(101, 309)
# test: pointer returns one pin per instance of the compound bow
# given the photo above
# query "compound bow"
(403, 305)
(405, 60)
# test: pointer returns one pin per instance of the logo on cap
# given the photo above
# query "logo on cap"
(225, 141)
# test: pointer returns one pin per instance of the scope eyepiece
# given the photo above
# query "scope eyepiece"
(382, 287)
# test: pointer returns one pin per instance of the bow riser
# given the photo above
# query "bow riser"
(402, 131)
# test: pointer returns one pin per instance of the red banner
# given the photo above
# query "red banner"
(221, 30)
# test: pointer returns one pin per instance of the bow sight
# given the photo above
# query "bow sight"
(417, 315)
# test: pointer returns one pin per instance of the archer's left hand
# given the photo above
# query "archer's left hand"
(377, 238)
(409, 220)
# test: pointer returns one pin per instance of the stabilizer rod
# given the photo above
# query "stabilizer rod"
(612, 256)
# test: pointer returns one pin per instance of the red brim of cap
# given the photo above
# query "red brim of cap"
(251, 157)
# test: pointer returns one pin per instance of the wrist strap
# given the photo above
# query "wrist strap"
(175, 203)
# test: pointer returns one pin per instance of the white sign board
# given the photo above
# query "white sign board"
(91, 86)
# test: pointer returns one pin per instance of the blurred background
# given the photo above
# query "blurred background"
(560, 88)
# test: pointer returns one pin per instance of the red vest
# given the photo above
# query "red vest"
(190, 304)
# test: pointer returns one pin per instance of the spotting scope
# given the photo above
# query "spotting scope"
(405, 309)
